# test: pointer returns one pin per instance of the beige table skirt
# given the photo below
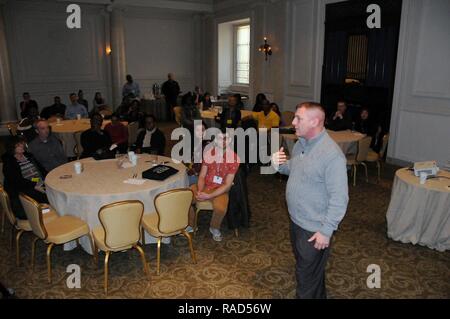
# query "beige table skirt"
(420, 214)
(101, 183)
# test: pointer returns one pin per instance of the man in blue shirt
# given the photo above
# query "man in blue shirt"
(75, 108)
(316, 194)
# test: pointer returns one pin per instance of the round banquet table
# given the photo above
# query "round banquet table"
(101, 183)
(347, 140)
(65, 132)
(420, 213)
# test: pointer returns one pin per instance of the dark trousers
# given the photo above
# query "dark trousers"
(310, 264)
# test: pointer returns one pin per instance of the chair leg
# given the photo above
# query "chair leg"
(144, 261)
(365, 168)
(143, 236)
(107, 253)
(191, 246)
(18, 246)
(158, 255)
(354, 175)
(94, 249)
(49, 262)
(33, 251)
(196, 221)
(11, 237)
(3, 221)
(379, 170)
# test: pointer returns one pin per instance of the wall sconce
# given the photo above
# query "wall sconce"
(108, 50)
(266, 48)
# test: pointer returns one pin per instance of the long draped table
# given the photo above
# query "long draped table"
(420, 213)
(101, 183)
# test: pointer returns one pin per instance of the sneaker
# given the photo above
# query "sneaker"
(217, 236)
(189, 229)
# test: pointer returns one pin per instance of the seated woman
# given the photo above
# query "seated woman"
(118, 133)
(197, 147)
(206, 102)
(274, 107)
(23, 174)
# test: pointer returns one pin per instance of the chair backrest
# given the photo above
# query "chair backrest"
(78, 149)
(172, 208)
(178, 110)
(34, 215)
(133, 129)
(6, 206)
(384, 146)
(121, 222)
(288, 117)
(363, 148)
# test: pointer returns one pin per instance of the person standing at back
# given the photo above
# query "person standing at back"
(171, 90)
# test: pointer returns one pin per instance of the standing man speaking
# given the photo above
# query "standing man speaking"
(316, 194)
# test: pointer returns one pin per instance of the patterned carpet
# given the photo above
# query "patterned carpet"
(258, 264)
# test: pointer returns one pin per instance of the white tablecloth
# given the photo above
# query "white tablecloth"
(346, 140)
(101, 183)
(420, 214)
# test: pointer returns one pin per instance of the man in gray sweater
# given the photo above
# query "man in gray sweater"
(316, 194)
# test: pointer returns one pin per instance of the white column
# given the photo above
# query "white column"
(7, 103)
(118, 58)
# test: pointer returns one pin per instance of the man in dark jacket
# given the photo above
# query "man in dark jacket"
(341, 120)
(171, 90)
(151, 139)
(95, 141)
(57, 109)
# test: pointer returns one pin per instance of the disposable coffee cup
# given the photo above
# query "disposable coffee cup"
(78, 116)
(133, 159)
(78, 167)
(58, 120)
(423, 178)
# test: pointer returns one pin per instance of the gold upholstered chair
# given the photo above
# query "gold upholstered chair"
(119, 231)
(59, 231)
(19, 225)
(373, 156)
(171, 219)
(360, 157)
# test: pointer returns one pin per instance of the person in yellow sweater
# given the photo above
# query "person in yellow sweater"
(266, 118)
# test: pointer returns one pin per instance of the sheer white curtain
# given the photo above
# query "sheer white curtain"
(242, 60)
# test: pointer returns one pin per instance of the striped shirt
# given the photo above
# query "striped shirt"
(30, 171)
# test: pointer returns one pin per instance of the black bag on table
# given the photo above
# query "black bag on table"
(159, 172)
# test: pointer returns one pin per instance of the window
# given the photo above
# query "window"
(357, 57)
(242, 54)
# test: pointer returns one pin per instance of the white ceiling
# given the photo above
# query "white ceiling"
(191, 5)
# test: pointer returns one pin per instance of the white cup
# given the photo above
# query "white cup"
(423, 178)
(58, 120)
(78, 167)
(78, 116)
(133, 159)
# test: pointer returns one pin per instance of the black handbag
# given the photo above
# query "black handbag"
(159, 172)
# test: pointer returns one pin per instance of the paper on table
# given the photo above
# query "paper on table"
(134, 181)
(127, 165)
(45, 210)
